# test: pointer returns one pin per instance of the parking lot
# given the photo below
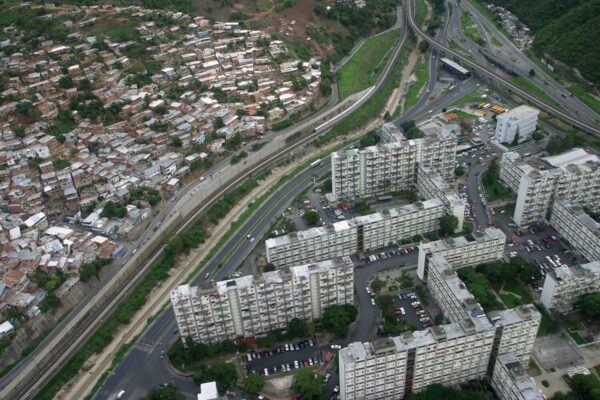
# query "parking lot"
(389, 253)
(414, 311)
(285, 358)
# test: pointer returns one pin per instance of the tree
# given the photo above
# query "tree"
(530, 273)
(459, 171)
(65, 82)
(406, 125)
(112, 210)
(312, 217)
(337, 319)
(176, 142)
(269, 267)
(297, 328)
(537, 136)
(164, 393)
(377, 285)
(223, 373)
(24, 107)
(254, 383)
(423, 46)
(589, 304)
(532, 72)
(50, 303)
(406, 281)
(308, 385)
(448, 224)
(585, 387)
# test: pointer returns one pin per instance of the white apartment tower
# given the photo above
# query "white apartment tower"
(564, 285)
(511, 382)
(390, 167)
(521, 121)
(574, 175)
(255, 305)
(576, 226)
(362, 233)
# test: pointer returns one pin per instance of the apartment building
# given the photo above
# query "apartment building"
(519, 122)
(390, 167)
(473, 249)
(430, 185)
(574, 175)
(511, 382)
(516, 330)
(357, 235)
(255, 305)
(564, 285)
(449, 291)
(392, 367)
(576, 226)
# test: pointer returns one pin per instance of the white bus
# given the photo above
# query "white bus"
(315, 163)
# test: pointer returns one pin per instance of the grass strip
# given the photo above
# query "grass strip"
(422, 77)
(376, 103)
(364, 67)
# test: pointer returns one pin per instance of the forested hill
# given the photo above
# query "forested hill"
(568, 30)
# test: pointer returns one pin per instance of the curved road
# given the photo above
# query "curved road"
(574, 121)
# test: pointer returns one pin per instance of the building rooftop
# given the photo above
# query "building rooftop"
(575, 156)
(523, 382)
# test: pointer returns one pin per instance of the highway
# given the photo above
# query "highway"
(494, 76)
(29, 376)
(508, 54)
(142, 368)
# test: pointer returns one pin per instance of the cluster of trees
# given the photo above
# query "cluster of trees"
(480, 288)
(410, 130)
(362, 208)
(92, 268)
(558, 145)
(312, 217)
(164, 393)
(308, 385)
(583, 387)
(113, 210)
(254, 383)
(152, 196)
(448, 224)
(337, 319)
(297, 329)
(88, 105)
(186, 356)
(589, 305)
(392, 324)
(223, 373)
(370, 139)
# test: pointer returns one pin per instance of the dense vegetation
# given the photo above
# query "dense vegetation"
(566, 29)
(337, 319)
(308, 385)
(436, 392)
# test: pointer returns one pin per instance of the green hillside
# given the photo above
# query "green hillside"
(573, 39)
(566, 29)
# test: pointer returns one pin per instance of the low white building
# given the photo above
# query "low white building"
(521, 121)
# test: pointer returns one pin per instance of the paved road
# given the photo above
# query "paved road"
(151, 370)
(510, 55)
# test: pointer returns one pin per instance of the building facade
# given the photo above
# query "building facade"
(511, 382)
(576, 226)
(516, 329)
(255, 305)
(519, 122)
(564, 285)
(573, 175)
(477, 248)
(392, 367)
(357, 235)
(390, 167)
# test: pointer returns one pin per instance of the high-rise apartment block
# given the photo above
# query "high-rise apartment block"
(255, 305)
(511, 382)
(473, 249)
(519, 122)
(392, 367)
(465, 349)
(564, 285)
(576, 226)
(357, 235)
(391, 167)
(574, 175)
(430, 185)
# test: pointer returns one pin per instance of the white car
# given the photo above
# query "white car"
(368, 289)
(373, 301)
